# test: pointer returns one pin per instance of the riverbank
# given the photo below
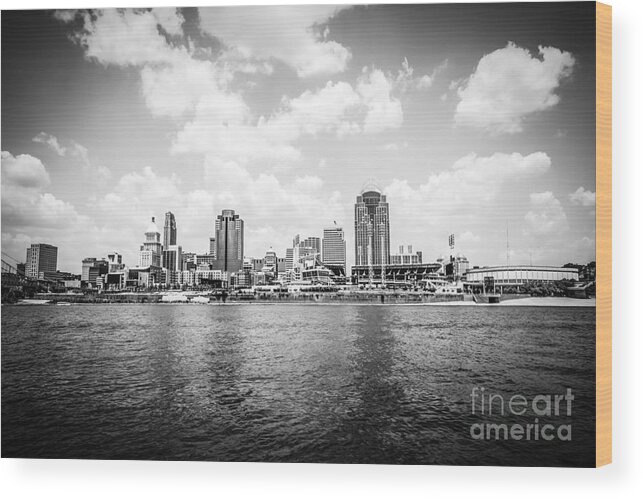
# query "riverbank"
(358, 298)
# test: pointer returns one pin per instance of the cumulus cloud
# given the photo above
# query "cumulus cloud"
(472, 180)
(25, 204)
(126, 37)
(582, 197)
(264, 199)
(260, 199)
(461, 199)
(197, 93)
(289, 33)
(23, 171)
(384, 111)
(224, 126)
(509, 84)
(546, 216)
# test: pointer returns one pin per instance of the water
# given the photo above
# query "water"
(288, 383)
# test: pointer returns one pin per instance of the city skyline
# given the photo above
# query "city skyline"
(287, 136)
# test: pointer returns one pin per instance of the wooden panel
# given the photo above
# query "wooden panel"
(603, 234)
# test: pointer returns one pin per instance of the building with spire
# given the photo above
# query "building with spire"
(152, 249)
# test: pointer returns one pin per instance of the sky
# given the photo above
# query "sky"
(474, 119)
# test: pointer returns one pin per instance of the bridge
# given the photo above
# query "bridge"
(14, 278)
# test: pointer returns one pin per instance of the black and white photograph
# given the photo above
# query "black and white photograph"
(350, 234)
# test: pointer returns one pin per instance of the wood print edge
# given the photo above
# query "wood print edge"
(603, 234)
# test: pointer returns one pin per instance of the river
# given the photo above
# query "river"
(289, 383)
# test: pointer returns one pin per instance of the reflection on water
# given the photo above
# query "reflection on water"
(304, 383)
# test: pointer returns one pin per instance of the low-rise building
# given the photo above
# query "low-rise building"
(520, 274)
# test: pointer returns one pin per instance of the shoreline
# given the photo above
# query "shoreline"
(458, 302)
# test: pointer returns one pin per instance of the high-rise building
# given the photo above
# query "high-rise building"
(213, 247)
(169, 230)
(372, 230)
(152, 249)
(41, 258)
(172, 258)
(334, 247)
(289, 258)
(228, 232)
(314, 243)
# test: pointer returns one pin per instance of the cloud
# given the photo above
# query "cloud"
(23, 171)
(291, 34)
(465, 199)
(582, 197)
(65, 15)
(405, 81)
(126, 37)
(25, 204)
(73, 150)
(51, 141)
(322, 110)
(224, 126)
(509, 84)
(383, 110)
(196, 92)
(472, 180)
(170, 19)
(547, 216)
(263, 200)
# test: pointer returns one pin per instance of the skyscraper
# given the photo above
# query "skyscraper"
(372, 231)
(41, 258)
(334, 247)
(228, 233)
(169, 230)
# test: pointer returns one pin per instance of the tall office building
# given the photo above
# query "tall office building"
(172, 258)
(41, 258)
(372, 230)
(213, 247)
(228, 232)
(152, 249)
(169, 230)
(334, 247)
(289, 258)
